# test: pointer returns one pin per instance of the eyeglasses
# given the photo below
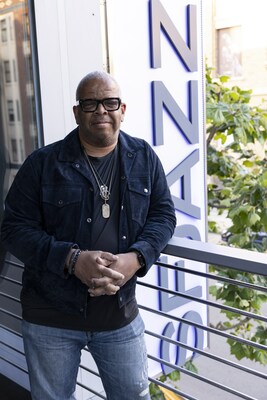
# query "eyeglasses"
(109, 104)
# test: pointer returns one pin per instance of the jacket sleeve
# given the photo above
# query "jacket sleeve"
(161, 219)
(22, 230)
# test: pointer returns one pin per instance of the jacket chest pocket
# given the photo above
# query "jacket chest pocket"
(139, 198)
(61, 209)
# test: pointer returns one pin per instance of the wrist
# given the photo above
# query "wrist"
(72, 260)
(140, 258)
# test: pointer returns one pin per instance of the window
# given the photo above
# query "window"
(7, 71)
(18, 110)
(11, 111)
(22, 155)
(229, 56)
(3, 25)
(14, 150)
(17, 139)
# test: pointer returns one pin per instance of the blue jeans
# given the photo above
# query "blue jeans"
(53, 358)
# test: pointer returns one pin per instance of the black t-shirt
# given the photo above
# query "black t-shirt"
(103, 312)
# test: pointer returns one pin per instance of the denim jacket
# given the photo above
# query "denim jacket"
(48, 210)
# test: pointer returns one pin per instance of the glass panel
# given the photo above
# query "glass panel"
(18, 132)
(18, 129)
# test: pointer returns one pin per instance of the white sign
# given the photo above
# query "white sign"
(155, 52)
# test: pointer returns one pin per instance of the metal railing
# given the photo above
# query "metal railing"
(219, 374)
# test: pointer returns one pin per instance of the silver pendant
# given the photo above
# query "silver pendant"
(105, 210)
(104, 192)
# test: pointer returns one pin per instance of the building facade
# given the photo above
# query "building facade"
(235, 43)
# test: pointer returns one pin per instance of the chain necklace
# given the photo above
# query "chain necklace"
(104, 189)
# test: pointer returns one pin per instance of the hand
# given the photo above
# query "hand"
(95, 264)
(103, 286)
(126, 264)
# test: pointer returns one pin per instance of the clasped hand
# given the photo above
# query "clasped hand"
(103, 272)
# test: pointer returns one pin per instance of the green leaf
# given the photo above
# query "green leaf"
(213, 290)
(263, 179)
(224, 78)
(174, 375)
(248, 164)
(218, 117)
(235, 96)
(253, 218)
(244, 304)
(241, 134)
(238, 350)
(190, 366)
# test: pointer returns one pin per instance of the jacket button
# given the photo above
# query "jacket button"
(89, 220)
(60, 202)
(129, 155)
(124, 238)
(77, 165)
(145, 190)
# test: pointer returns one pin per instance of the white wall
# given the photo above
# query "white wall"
(69, 40)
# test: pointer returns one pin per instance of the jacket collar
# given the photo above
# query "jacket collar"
(71, 148)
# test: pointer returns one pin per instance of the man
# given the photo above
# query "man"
(87, 215)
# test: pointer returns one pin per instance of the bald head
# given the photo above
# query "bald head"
(93, 76)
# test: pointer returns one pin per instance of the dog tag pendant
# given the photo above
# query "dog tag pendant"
(105, 210)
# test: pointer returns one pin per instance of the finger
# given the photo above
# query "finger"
(108, 290)
(110, 273)
(103, 261)
(99, 283)
(104, 282)
(108, 256)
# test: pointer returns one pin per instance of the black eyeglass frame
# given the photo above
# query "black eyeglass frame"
(97, 102)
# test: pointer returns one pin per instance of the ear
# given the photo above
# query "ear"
(76, 114)
(123, 110)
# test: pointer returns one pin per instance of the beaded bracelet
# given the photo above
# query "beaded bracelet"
(73, 260)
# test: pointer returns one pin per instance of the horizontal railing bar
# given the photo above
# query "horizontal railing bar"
(234, 258)
(14, 365)
(202, 378)
(6, 328)
(12, 348)
(206, 328)
(186, 270)
(208, 355)
(174, 390)
(15, 264)
(8, 279)
(215, 277)
(91, 390)
(205, 302)
(9, 297)
(10, 314)
(89, 370)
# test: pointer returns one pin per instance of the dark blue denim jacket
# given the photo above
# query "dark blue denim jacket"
(49, 209)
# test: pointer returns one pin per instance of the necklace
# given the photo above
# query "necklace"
(104, 189)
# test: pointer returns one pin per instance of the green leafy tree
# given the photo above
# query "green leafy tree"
(237, 186)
